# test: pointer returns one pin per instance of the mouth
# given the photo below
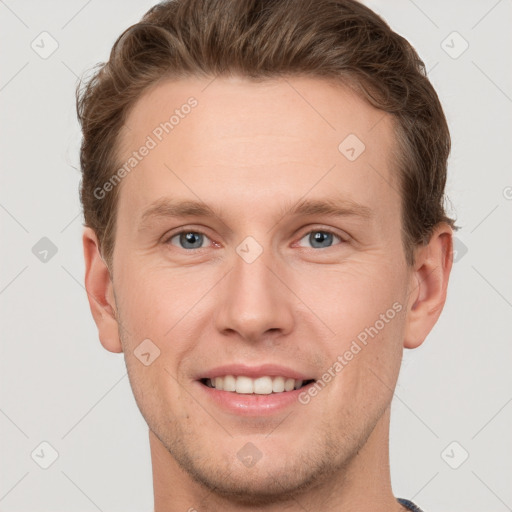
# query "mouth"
(261, 390)
(264, 385)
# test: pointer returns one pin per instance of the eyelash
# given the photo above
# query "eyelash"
(167, 241)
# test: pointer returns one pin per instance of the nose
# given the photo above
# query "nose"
(255, 302)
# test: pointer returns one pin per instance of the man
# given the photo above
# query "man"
(263, 186)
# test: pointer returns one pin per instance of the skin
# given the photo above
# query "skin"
(250, 151)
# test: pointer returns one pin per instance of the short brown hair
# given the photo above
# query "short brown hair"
(264, 39)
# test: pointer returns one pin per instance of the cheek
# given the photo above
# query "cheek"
(352, 296)
(153, 300)
(162, 312)
(363, 304)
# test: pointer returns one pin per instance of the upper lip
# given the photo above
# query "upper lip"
(270, 370)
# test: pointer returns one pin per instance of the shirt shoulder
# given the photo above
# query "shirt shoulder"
(409, 505)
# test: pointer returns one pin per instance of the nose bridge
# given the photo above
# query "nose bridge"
(254, 301)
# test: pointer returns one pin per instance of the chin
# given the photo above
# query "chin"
(257, 486)
(278, 475)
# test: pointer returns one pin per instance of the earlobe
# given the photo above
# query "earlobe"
(100, 293)
(428, 285)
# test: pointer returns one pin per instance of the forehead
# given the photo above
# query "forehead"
(257, 141)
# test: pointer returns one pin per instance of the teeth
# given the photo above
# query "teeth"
(278, 384)
(229, 383)
(260, 386)
(289, 384)
(243, 385)
(263, 386)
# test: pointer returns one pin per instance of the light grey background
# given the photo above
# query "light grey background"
(60, 386)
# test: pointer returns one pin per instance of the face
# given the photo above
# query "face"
(290, 272)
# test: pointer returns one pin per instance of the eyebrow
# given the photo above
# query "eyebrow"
(172, 208)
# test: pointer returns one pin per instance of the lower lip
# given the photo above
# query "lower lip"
(252, 404)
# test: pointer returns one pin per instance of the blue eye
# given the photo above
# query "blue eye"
(320, 239)
(189, 239)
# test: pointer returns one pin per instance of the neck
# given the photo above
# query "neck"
(363, 485)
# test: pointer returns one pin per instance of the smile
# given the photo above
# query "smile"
(265, 385)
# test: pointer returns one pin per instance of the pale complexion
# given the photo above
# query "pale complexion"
(251, 152)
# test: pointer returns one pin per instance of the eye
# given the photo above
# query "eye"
(188, 239)
(321, 238)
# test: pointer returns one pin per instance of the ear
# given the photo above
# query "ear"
(428, 285)
(100, 293)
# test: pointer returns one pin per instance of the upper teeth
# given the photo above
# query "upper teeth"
(260, 386)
